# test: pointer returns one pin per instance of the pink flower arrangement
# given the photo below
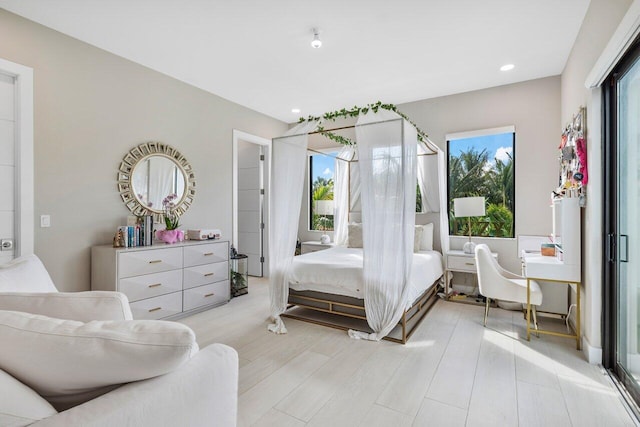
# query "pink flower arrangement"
(171, 218)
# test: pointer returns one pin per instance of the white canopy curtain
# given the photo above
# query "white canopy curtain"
(341, 194)
(288, 165)
(433, 187)
(387, 148)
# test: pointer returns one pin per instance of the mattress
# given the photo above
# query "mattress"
(338, 271)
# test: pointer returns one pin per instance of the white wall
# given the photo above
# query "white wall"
(91, 108)
(601, 20)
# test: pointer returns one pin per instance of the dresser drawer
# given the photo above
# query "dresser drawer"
(205, 254)
(215, 293)
(157, 307)
(204, 274)
(460, 263)
(136, 263)
(151, 285)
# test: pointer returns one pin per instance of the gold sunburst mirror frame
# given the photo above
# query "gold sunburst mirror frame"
(137, 179)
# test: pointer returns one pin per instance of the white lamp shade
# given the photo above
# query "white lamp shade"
(323, 207)
(468, 206)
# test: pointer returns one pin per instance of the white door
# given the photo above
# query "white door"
(16, 160)
(250, 205)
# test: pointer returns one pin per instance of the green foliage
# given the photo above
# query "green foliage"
(322, 189)
(471, 174)
(355, 111)
(501, 221)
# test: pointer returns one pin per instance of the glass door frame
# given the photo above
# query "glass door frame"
(610, 308)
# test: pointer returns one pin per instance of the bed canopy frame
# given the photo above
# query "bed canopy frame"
(388, 152)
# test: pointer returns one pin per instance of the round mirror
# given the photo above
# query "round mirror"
(154, 178)
(149, 173)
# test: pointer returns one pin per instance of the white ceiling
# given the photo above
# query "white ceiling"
(257, 52)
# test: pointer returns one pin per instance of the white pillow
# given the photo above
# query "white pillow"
(417, 238)
(69, 362)
(355, 235)
(19, 405)
(426, 241)
(25, 274)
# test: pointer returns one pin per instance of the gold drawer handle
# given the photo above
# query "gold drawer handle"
(155, 309)
(208, 274)
(469, 263)
(155, 285)
(209, 295)
(208, 254)
(155, 261)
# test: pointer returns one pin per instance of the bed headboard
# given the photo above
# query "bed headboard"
(421, 219)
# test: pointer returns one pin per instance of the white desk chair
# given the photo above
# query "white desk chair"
(497, 283)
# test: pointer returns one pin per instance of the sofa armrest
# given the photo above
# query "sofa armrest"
(203, 392)
(79, 306)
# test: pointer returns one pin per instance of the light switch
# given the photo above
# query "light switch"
(45, 221)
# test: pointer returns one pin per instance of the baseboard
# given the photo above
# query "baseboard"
(593, 354)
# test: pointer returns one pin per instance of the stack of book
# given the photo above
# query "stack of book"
(139, 233)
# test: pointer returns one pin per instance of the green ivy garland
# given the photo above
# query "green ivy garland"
(355, 112)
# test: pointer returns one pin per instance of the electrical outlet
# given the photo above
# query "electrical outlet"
(45, 221)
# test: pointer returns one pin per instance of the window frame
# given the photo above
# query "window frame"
(475, 134)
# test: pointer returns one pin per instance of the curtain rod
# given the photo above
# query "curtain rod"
(356, 161)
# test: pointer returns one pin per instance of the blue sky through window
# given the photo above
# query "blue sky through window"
(324, 166)
(497, 145)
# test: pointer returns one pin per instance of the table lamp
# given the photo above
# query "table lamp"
(468, 207)
(324, 208)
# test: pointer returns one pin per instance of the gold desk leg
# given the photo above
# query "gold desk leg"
(578, 346)
(528, 310)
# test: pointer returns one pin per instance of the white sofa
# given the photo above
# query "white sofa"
(201, 391)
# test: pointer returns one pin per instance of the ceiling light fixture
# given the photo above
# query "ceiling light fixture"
(316, 43)
(507, 67)
(295, 110)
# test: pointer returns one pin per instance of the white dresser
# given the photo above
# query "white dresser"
(164, 281)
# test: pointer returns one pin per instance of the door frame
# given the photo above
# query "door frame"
(239, 135)
(24, 181)
(610, 214)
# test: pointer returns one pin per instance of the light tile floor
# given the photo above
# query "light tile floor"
(453, 372)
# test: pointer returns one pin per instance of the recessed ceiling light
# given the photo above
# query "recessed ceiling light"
(316, 43)
(295, 110)
(507, 67)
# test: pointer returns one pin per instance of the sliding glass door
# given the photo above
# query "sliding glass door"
(622, 213)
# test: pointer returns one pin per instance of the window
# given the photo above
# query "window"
(482, 164)
(322, 168)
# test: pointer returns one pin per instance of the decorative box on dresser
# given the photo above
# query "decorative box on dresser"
(164, 281)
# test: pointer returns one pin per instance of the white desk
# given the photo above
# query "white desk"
(550, 269)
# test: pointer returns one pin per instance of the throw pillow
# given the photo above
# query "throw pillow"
(417, 238)
(426, 242)
(355, 236)
(25, 274)
(69, 362)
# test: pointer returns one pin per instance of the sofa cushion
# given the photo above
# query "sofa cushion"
(69, 362)
(19, 405)
(25, 274)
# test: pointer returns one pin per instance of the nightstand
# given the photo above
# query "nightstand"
(461, 262)
(313, 246)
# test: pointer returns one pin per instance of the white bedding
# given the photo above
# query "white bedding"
(338, 270)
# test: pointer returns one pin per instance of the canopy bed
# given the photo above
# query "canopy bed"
(381, 280)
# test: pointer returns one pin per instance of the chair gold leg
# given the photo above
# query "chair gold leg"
(486, 311)
(535, 321)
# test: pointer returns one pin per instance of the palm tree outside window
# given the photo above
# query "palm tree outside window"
(482, 163)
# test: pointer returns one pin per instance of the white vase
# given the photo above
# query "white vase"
(325, 239)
